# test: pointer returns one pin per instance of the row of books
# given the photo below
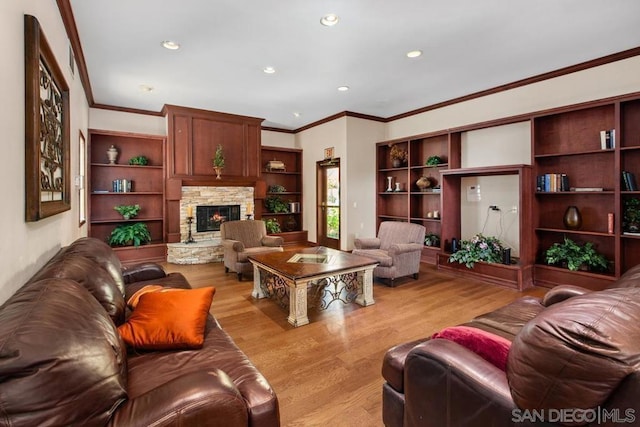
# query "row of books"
(607, 139)
(121, 185)
(629, 181)
(552, 182)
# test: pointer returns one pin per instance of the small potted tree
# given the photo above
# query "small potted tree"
(218, 161)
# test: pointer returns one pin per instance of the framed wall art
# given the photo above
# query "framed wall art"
(46, 128)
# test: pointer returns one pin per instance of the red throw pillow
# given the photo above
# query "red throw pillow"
(168, 320)
(491, 347)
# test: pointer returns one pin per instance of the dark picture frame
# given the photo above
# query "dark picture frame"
(47, 135)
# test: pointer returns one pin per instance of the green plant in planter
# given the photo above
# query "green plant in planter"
(139, 160)
(127, 211)
(218, 159)
(130, 234)
(431, 239)
(277, 189)
(434, 161)
(575, 256)
(631, 215)
(276, 204)
(273, 226)
(478, 248)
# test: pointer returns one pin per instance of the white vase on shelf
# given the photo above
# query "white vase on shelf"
(389, 180)
(112, 154)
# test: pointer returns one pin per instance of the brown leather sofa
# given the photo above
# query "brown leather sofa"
(574, 359)
(62, 361)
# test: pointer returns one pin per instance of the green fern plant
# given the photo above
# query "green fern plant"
(273, 226)
(134, 234)
(127, 211)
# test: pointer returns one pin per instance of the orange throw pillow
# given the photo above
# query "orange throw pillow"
(169, 320)
(135, 298)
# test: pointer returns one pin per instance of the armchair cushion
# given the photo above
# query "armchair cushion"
(367, 243)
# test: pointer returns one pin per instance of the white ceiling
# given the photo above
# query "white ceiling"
(468, 45)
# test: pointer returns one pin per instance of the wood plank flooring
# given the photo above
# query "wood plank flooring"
(327, 373)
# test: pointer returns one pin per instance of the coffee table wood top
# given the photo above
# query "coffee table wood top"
(305, 267)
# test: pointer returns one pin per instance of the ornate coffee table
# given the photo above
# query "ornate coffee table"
(290, 275)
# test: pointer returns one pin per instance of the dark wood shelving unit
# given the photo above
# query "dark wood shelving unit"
(412, 204)
(148, 190)
(291, 180)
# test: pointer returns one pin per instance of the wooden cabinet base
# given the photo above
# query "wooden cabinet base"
(429, 255)
(548, 277)
(511, 276)
(155, 252)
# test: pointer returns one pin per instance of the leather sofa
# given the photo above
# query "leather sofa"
(574, 359)
(62, 361)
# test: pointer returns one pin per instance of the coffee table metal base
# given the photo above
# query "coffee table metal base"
(297, 298)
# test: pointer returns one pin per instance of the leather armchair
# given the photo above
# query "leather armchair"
(240, 239)
(397, 249)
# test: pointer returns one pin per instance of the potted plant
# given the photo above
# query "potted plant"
(218, 161)
(573, 256)
(273, 226)
(478, 248)
(432, 239)
(130, 234)
(631, 216)
(139, 161)
(127, 211)
(276, 188)
(398, 156)
(276, 204)
(434, 161)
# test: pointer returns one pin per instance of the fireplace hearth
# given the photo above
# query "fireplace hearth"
(209, 218)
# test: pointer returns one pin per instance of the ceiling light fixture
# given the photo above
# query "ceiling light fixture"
(296, 114)
(171, 45)
(269, 70)
(146, 88)
(329, 20)
(343, 88)
(414, 53)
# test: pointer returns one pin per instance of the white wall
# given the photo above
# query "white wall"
(25, 247)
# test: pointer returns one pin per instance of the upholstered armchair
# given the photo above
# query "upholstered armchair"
(243, 238)
(397, 249)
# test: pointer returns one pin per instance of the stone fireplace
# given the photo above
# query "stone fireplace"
(231, 202)
(209, 217)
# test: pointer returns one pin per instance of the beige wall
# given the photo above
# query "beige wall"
(127, 122)
(278, 139)
(26, 246)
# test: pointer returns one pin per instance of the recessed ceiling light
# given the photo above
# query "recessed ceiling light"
(296, 114)
(414, 53)
(269, 70)
(171, 45)
(329, 20)
(343, 88)
(145, 88)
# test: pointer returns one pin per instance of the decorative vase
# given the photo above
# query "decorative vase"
(112, 154)
(423, 183)
(398, 187)
(396, 163)
(218, 172)
(389, 187)
(572, 218)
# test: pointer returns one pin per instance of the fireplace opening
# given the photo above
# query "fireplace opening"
(209, 218)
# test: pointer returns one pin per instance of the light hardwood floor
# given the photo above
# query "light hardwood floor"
(327, 373)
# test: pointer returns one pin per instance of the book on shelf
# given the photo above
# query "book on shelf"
(607, 139)
(586, 189)
(631, 233)
(552, 182)
(629, 181)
